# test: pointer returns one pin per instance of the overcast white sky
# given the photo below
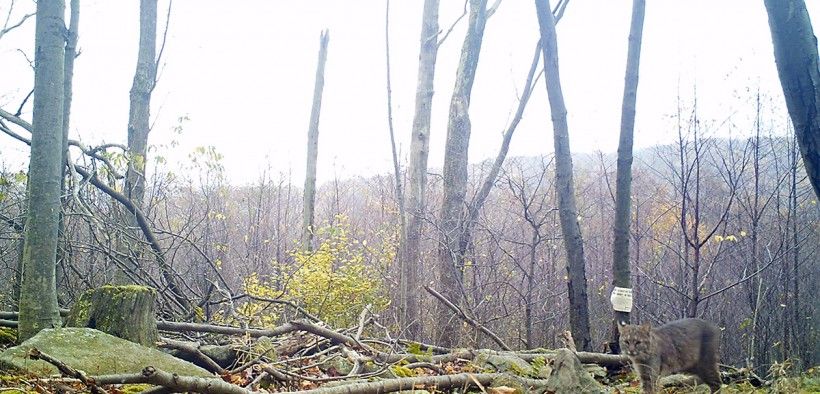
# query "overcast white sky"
(243, 71)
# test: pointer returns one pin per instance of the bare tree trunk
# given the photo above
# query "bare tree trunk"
(795, 52)
(393, 151)
(139, 113)
(38, 295)
(70, 55)
(313, 145)
(68, 77)
(404, 319)
(455, 172)
(623, 185)
(756, 213)
(567, 210)
(417, 185)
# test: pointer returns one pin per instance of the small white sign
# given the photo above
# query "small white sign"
(621, 299)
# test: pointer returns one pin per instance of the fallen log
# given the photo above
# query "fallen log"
(7, 315)
(163, 325)
(443, 382)
(177, 383)
(8, 323)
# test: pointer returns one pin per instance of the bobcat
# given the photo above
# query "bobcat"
(686, 345)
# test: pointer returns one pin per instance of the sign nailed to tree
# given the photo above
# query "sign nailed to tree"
(621, 299)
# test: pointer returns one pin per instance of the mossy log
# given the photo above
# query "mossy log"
(123, 311)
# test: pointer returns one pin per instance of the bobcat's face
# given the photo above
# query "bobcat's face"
(636, 340)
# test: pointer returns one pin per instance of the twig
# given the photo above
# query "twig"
(450, 30)
(362, 318)
(466, 318)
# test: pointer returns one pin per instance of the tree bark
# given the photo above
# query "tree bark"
(68, 77)
(623, 183)
(38, 298)
(417, 184)
(139, 113)
(795, 53)
(455, 172)
(567, 210)
(313, 145)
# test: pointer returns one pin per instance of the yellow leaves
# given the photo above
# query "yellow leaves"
(732, 238)
(216, 215)
(335, 281)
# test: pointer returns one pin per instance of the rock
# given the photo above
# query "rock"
(123, 311)
(336, 366)
(94, 352)
(596, 371)
(505, 363)
(569, 376)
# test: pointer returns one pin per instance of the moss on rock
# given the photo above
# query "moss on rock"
(92, 351)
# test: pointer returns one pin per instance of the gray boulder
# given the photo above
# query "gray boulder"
(569, 376)
(94, 352)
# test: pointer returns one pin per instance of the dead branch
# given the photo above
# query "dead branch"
(35, 354)
(466, 318)
(193, 350)
(10, 315)
(179, 383)
(8, 323)
(329, 334)
(444, 382)
(225, 330)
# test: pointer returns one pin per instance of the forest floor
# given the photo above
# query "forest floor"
(21, 384)
(342, 368)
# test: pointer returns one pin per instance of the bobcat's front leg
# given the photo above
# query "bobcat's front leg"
(649, 377)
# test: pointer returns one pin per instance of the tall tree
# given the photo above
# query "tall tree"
(139, 114)
(70, 55)
(38, 293)
(72, 37)
(313, 145)
(565, 186)
(623, 183)
(417, 184)
(795, 52)
(455, 171)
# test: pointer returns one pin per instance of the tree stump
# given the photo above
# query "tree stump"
(123, 311)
